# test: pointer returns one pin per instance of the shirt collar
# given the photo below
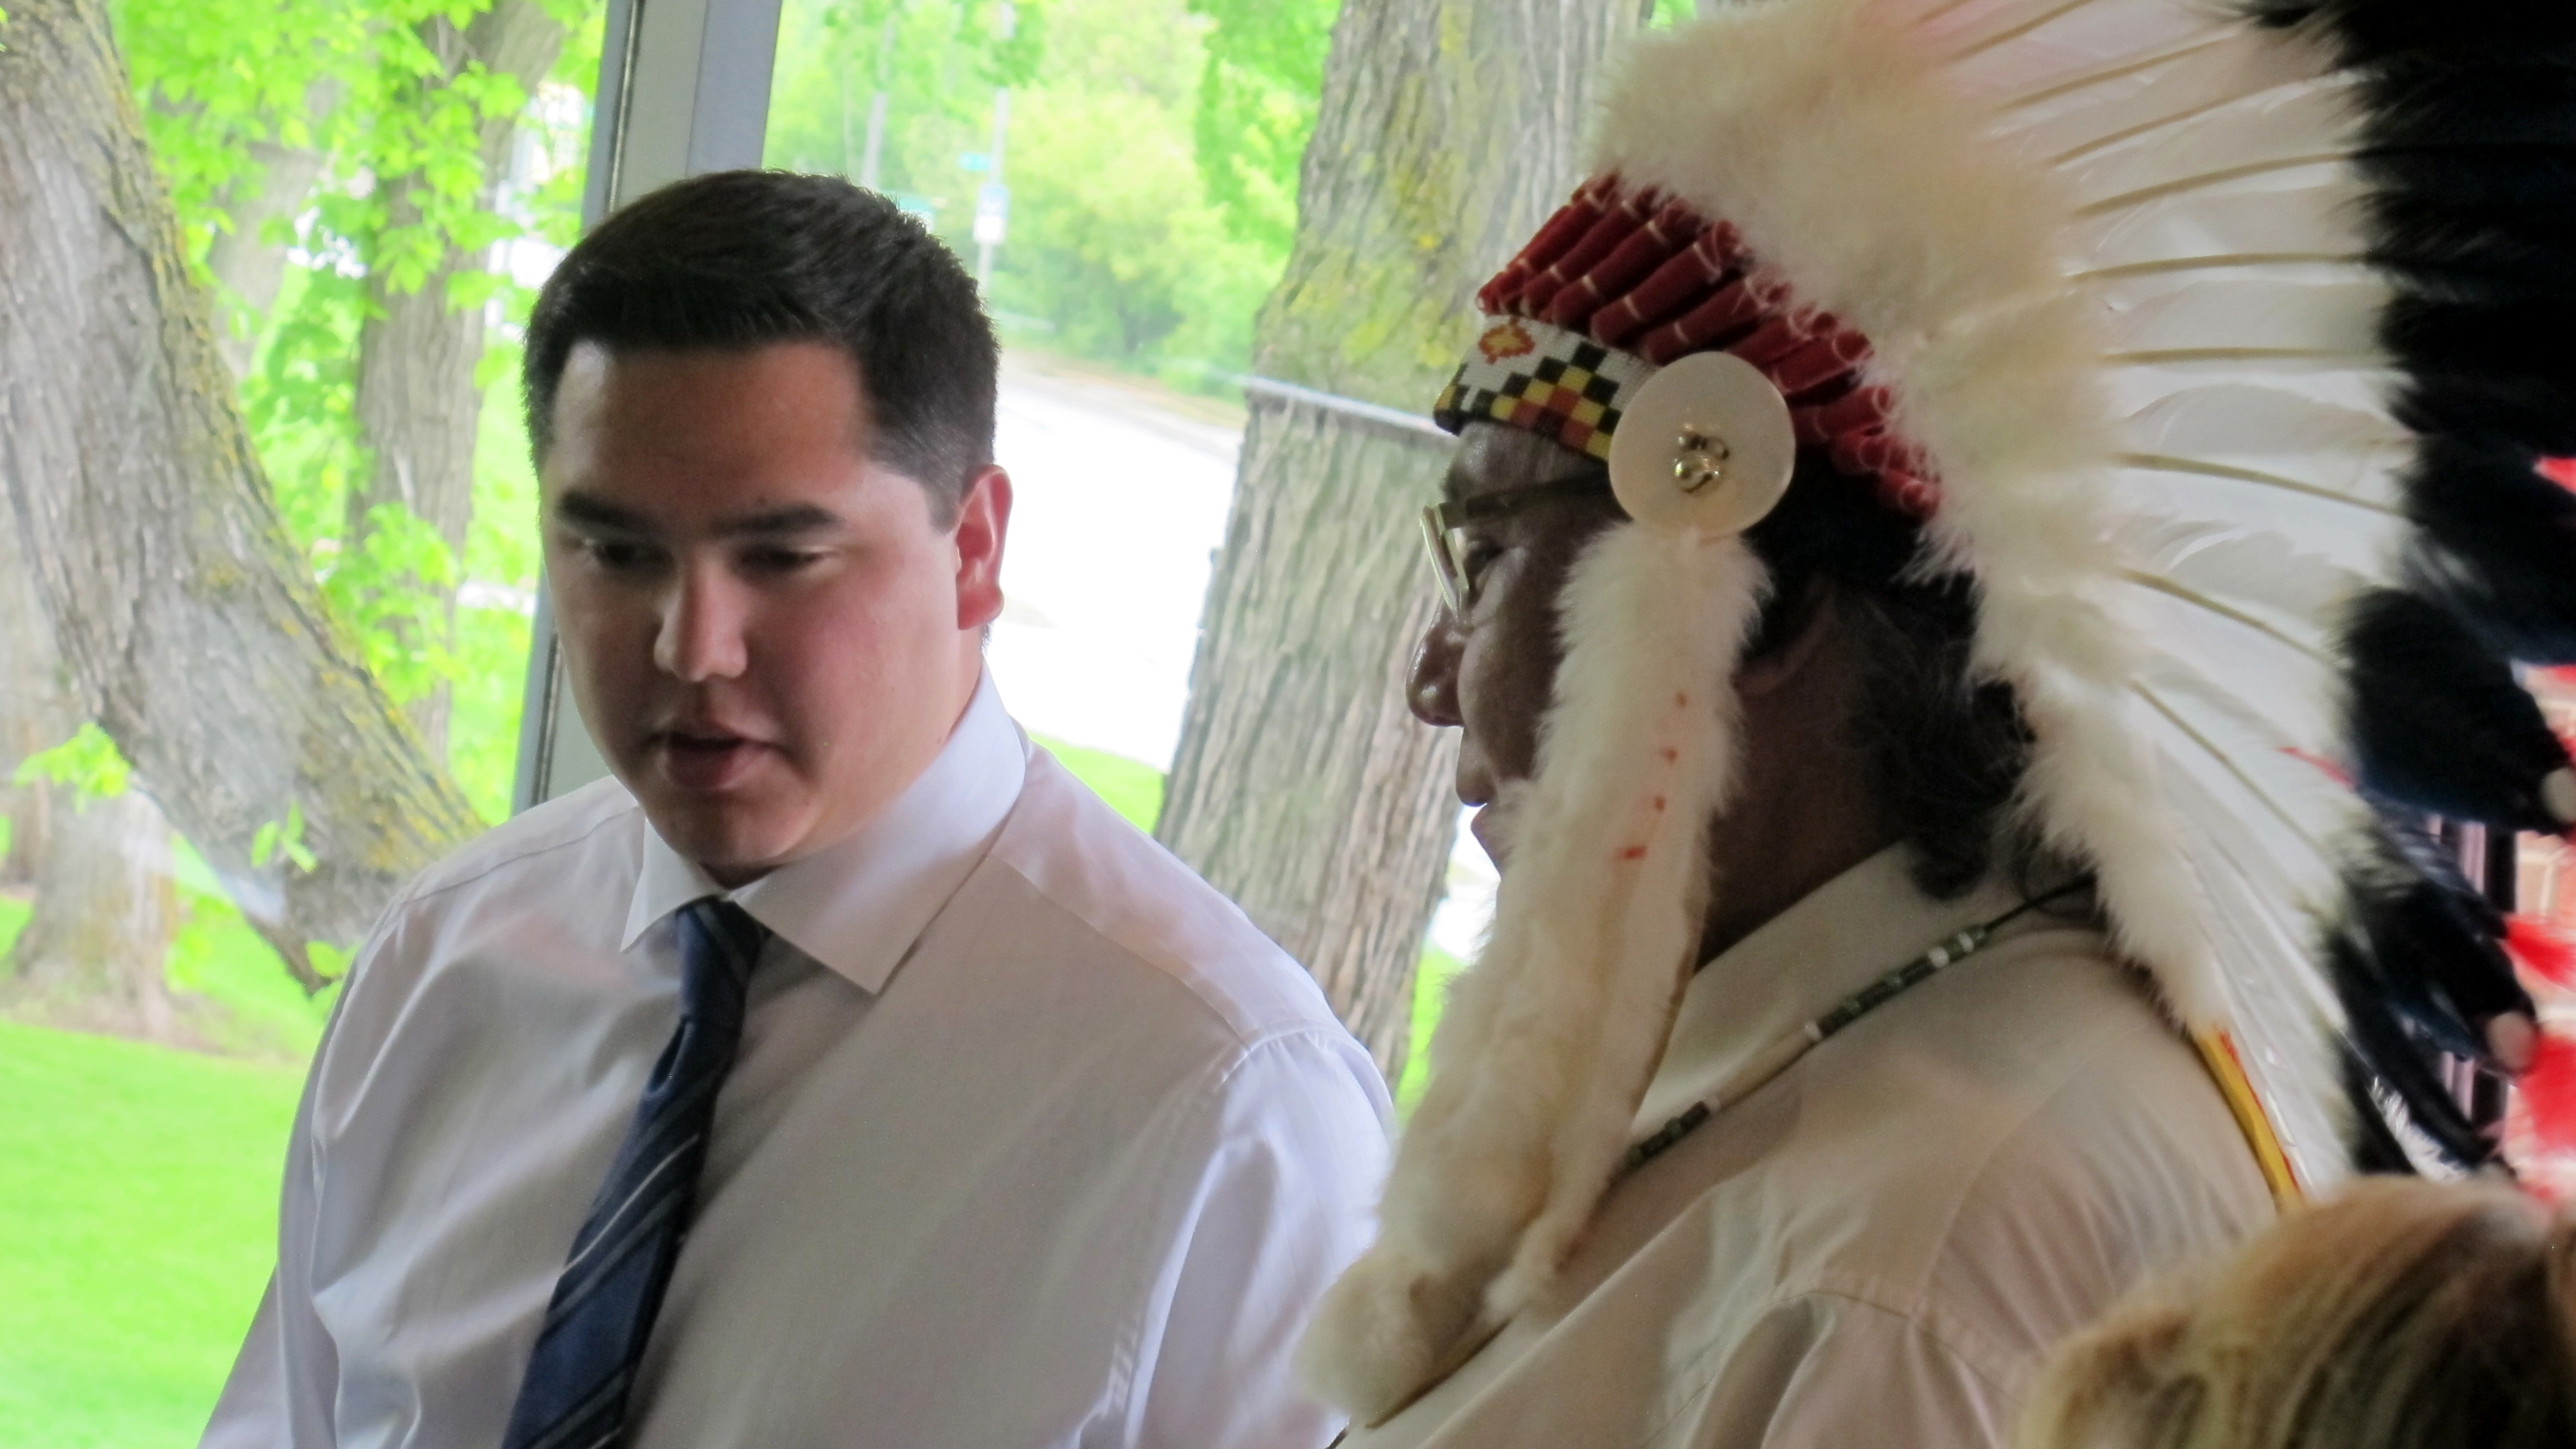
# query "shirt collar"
(1850, 931)
(858, 905)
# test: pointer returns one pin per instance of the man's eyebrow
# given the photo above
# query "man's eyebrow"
(579, 507)
(795, 518)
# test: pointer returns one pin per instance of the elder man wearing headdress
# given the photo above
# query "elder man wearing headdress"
(1972, 538)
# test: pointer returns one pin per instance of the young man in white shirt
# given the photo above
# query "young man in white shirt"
(842, 1072)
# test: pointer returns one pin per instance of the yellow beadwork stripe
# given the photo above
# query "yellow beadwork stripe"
(2218, 1053)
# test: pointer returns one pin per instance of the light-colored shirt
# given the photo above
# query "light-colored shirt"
(1877, 1247)
(1033, 1140)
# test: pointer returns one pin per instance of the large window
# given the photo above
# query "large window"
(366, 192)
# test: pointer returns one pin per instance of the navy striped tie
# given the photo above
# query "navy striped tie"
(602, 1313)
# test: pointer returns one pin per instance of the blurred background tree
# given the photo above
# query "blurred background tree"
(1446, 130)
(350, 178)
(1151, 157)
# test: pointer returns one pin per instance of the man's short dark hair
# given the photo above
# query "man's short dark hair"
(743, 259)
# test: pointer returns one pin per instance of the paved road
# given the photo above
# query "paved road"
(1121, 504)
(1122, 497)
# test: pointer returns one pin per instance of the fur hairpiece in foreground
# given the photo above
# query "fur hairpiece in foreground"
(1545, 1047)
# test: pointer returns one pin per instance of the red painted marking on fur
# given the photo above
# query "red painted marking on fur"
(2333, 771)
(1634, 852)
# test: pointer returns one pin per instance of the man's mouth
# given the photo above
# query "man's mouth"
(704, 759)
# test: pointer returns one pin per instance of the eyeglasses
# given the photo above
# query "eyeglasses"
(1442, 521)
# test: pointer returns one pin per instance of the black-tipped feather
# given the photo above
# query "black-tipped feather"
(2467, 145)
(2368, 32)
(2432, 941)
(2374, 1146)
(2520, 197)
(2498, 544)
(2402, 1063)
(2437, 721)
(2496, 369)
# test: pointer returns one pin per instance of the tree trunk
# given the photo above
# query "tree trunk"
(93, 955)
(418, 408)
(1447, 131)
(245, 263)
(33, 714)
(188, 623)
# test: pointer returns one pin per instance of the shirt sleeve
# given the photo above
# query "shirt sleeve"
(1296, 1141)
(1825, 1371)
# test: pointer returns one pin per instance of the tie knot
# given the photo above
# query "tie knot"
(719, 944)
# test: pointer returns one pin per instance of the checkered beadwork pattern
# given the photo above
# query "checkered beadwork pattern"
(1554, 382)
(1620, 282)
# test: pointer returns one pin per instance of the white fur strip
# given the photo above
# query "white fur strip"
(1548, 1043)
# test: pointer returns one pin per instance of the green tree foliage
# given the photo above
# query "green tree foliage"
(230, 86)
(1114, 240)
(1258, 88)
(1123, 244)
(938, 61)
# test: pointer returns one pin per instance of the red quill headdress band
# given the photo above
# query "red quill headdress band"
(1619, 283)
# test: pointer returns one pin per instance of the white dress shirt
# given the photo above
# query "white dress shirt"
(1876, 1248)
(1033, 1140)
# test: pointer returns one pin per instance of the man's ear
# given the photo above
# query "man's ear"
(983, 522)
(1812, 616)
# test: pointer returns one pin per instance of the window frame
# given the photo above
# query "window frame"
(683, 89)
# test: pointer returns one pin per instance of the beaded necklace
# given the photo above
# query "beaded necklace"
(1783, 1051)
(1775, 1058)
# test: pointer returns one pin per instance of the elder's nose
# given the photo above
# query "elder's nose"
(1431, 691)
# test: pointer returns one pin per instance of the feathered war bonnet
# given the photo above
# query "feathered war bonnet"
(2217, 347)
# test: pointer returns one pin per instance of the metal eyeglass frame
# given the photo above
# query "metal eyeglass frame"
(1439, 520)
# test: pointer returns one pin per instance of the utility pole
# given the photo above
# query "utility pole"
(993, 198)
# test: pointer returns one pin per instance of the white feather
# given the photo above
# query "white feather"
(2204, 79)
(2178, 318)
(2278, 133)
(2308, 216)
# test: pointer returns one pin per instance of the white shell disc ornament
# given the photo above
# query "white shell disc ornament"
(1706, 446)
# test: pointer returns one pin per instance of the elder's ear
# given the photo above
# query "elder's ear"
(1810, 619)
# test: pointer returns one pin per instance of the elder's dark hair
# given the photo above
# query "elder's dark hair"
(1948, 749)
(742, 259)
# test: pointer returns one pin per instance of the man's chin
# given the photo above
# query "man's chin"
(733, 842)
(1492, 825)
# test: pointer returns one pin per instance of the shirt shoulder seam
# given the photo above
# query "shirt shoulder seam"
(1245, 1038)
(421, 893)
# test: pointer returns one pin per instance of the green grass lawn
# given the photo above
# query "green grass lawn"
(138, 1184)
(138, 1219)
(1430, 992)
(1132, 787)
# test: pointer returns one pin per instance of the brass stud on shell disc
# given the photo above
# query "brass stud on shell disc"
(1705, 445)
